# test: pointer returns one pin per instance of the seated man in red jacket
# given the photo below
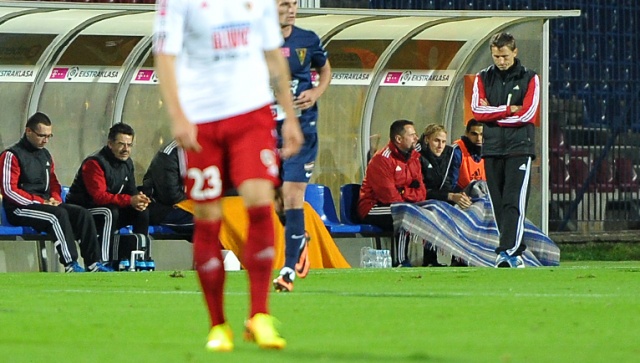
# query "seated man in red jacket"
(393, 175)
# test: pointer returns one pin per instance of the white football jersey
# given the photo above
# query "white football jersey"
(219, 47)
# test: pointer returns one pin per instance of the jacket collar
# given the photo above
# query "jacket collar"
(471, 147)
(26, 144)
(399, 154)
(515, 69)
(108, 154)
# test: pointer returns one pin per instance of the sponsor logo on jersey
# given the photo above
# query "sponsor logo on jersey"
(476, 175)
(231, 36)
(302, 54)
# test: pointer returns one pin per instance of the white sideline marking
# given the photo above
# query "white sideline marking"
(445, 270)
(159, 292)
(413, 271)
(358, 294)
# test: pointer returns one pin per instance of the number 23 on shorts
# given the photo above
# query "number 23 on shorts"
(206, 183)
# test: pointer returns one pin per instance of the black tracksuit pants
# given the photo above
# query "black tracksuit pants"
(110, 218)
(508, 180)
(66, 223)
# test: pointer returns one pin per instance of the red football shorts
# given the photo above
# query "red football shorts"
(236, 149)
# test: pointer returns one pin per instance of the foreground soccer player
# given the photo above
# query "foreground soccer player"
(216, 62)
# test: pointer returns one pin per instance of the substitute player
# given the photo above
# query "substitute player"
(216, 61)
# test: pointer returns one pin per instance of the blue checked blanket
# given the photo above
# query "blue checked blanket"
(469, 235)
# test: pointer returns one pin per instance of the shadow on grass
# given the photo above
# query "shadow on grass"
(412, 295)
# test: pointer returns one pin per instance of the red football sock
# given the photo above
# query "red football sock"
(207, 257)
(258, 256)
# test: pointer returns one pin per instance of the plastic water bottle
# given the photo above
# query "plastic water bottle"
(383, 258)
(151, 265)
(124, 265)
(372, 258)
(141, 265)
(365, 257)
(387, 259)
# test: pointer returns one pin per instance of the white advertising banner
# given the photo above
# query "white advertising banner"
(15, 73)
(418, 78)
(85, 74)
(361, 78)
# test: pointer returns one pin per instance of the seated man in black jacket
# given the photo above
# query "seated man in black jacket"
(105, 184)
(32, 198)
(440, 169)
(440, 166)
(163, 183)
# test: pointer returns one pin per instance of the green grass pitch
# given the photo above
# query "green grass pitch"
(579, 312)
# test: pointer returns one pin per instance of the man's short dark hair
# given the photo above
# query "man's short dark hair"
(120, 128)
(501, 39)
(397, 128)
(36, 119)
(473, 123)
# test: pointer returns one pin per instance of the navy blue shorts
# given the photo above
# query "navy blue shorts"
(299, 168)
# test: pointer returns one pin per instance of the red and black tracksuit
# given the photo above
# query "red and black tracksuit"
(104, 184)
(509, 144)
(392, 177)
(28, 180)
